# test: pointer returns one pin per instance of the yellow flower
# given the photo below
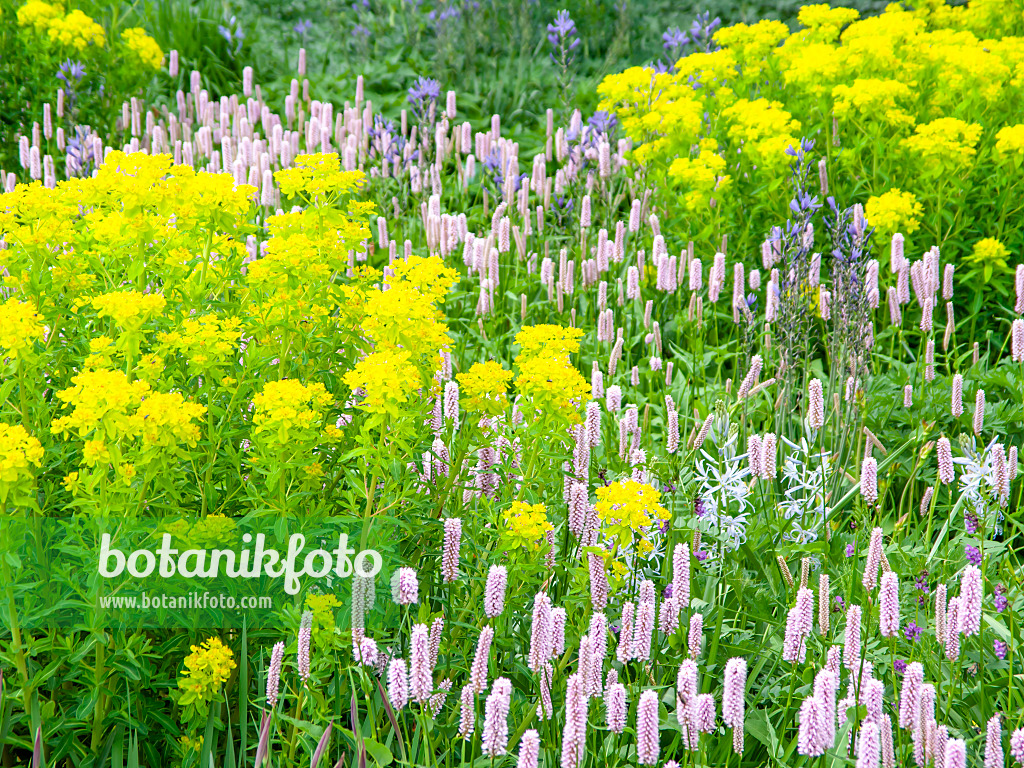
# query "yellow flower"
(549, 340)
(483, 387)
(76, 30)
(752, 43)
(289, 410)
(204, 342)
(1010, 143)
(551, 387)
(20, 326)
(894, 211)
(18, 449)
(318, 177)
(38, 15)
(144, 47)
(206, 670)
(700, 176)
(628, 507)
(525, 525)
(386, 380)
(825, 22)
(873, 100)
(322, 607)
(129, 309)
(988, 257)
(944, 145)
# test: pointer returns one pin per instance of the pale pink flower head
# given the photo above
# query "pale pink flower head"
(696, 635)
(681, 574)
(494, 592)
(704, 709)
(944, 457)
(953, 629)
(994, 743)
(889, 605)
(910, 694)
(816, 405)
(873, 561)
(957, 396)
(979, 411)
(956, 754)
(813, 731)
(405, 586)
(450, 552)
(1017, 746)
(851, 649)
(971, 595)
(869, 480)
(398, 683)
(615, 706)
(420, 669)
(647, 729)
(495, 731)
(529, 749)
(869, 746)
(734, 691)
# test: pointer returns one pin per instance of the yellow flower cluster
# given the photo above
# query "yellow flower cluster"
(38, 15)
(483, 388)
(287, 410)
(129, 309)
(207, 668)
(206, 342)
(935, 84)
(20, 326)
(988, 257)
(628, 507)
(548, 340)
(108, 407)
(18, 449)
(144, 47)
(387, 379)
(944, 145)
(318, 178)
(76, 30)
(525, 525)
(322, 607)
(893, 211)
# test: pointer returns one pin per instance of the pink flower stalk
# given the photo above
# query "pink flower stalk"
(450, 552)
(769, 468)
(811, 736)
(754, 451)
(421, 681)
(494, 592)
(406, 587)
(398, 684)
(672, 428)
(824, 603)
(305, 635)
(944, 456)
(644, 630)
(704, 712)
(558, 631)
(681, 573)
(956, 754)
(686, 687)
(574, 735)
(587, 668)
(994, 743)
(953, 629)
(751, 378)
(274, 674)
(910, 695)
(895, 315)
(957, 396)
(365, 651)
(578, 504)
(793, 648)
(545, 709)
(889, 605)
(971, 595)
(940, 613)
(467, 711)
(438, 699)
(1017, 745)
(696, 277)
(541, 642)
(888, 753)
(625, 650)
(869, 480)
(696, 635)
(478, 672)
(647, 730)
(979, 411)
(495, 731)
(529, 749)
(873, 698)
(585, 212)
(825, 684)
(593, 423)
(873, 560)
(705, 430)
(734, 690)
(869, 746)
(615, 706)
(613, 398)
(1018, 284)
(599, 638)
(908, 395)
(816, 407)
(851, 649)
(668, 616)
(598, 582)
(1017, 341)
(451, 403)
